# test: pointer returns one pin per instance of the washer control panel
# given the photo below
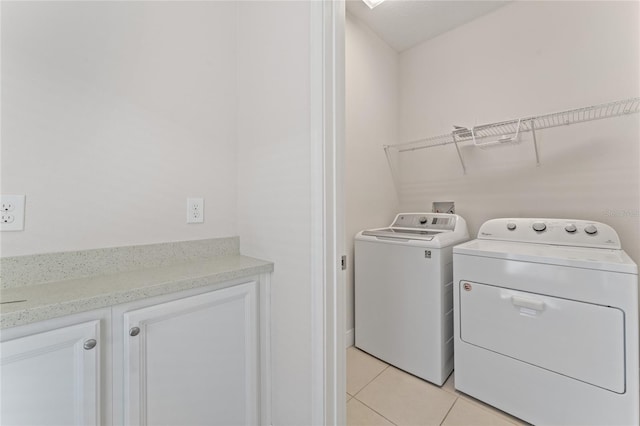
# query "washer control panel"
(434, 221)
(578, 233)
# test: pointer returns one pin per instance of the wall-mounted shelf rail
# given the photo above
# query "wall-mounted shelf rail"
(508, 131)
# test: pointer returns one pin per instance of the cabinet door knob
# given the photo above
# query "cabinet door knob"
(90, 344)
(134, 331)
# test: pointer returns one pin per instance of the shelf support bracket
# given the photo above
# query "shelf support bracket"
(455, 142)
(535, 141)
(394, 177)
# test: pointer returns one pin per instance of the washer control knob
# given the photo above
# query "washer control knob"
(539, 226)
(571, 228)
(511, 226)
(422, 220)
(591, 229)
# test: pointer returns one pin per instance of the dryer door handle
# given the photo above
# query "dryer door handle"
(537, 305)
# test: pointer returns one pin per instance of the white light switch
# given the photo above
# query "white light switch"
(12, 213)
(195, 210)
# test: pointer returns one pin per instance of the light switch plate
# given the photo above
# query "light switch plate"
(12, 213)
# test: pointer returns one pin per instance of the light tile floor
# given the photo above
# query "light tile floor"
(380, 394)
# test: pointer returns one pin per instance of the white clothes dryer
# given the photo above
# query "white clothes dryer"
(403, 292)
(546, 322)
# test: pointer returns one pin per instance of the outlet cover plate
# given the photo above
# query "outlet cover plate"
(12, 213)
(195, 210)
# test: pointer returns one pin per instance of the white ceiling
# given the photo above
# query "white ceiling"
(406, 23)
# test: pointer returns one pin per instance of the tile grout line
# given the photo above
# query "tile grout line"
(371, 408)
(369, 382)
(374, 410)
(488, 409)
(482, 405)
(449, 411)
(457, 394)
(381, 415)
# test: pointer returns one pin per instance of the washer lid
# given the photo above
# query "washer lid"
(403, 234)
(613, 260)
(436, 229)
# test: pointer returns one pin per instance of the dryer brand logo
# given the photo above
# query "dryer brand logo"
(466, 286)
(427, 254)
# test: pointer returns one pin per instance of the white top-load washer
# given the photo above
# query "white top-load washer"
(546, 322)
(403, 292)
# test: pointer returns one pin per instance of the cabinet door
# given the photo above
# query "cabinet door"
(52, 378)
(193, 361)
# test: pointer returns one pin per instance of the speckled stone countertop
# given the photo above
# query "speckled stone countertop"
(54, 299)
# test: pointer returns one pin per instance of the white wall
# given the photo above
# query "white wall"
(113, 113)
(372, 108)
(274, 185)
(524, 59)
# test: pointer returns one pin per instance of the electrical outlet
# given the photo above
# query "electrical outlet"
(195, 210)
(12, 213)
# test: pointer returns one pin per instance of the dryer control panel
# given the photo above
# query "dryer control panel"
(567, 232)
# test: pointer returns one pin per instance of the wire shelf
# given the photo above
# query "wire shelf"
(527, 124)
(502, 130)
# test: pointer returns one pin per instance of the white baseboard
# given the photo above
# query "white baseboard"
(350, 338)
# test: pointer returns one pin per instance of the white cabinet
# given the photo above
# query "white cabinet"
(52, 377)
(193, 361)
(201, 356)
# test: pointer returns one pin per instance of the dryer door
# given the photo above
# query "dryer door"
(580, 340)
